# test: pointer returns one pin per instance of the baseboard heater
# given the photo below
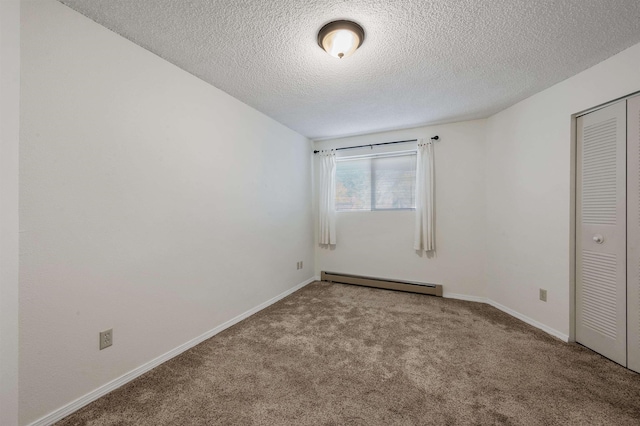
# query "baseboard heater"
(410, 286)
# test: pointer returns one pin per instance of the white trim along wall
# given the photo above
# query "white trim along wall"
(530, 190)
(75, 405)
(94, 194)
(151, 203)
(380, 243)
(517, 236)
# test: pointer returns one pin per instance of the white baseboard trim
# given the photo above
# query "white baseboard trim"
(529, 321)
(465, 297)
(73, 406)
(511, 312)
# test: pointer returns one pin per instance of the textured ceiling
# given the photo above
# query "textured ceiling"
(422, 62)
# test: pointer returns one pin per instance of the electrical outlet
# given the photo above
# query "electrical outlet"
(106, 338)
(543, 295)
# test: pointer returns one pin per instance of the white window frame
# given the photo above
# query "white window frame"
(372, 185)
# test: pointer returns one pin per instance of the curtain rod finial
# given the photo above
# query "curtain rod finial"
(435, 138)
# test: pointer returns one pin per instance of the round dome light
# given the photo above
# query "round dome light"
(340, 38)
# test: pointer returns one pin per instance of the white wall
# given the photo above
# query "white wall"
(151, 203)
(9, 130)
(529, 194)
(380, 244)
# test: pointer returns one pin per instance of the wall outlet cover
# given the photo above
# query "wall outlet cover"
(106, 338)
(543, 295)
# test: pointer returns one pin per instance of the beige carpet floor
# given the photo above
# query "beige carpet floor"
(334, 354)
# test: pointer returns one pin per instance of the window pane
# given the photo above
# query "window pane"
(353, 184)
(394, 179)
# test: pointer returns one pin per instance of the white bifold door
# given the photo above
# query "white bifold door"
(608, 232)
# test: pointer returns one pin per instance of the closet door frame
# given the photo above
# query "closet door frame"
(633, 233)
(574, 225)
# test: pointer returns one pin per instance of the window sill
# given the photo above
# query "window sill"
(376, 210)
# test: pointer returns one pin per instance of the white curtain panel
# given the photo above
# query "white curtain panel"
(327, 202)
(424, 237)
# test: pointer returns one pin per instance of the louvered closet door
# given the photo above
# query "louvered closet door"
(633, 233)
(601, 234)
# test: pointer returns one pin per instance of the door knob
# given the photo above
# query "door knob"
(598, 238)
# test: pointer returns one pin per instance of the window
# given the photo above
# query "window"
(383, 182)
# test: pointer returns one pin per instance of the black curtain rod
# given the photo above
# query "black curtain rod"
(435, 138)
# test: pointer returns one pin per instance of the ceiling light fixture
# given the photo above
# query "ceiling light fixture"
(340, 38)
